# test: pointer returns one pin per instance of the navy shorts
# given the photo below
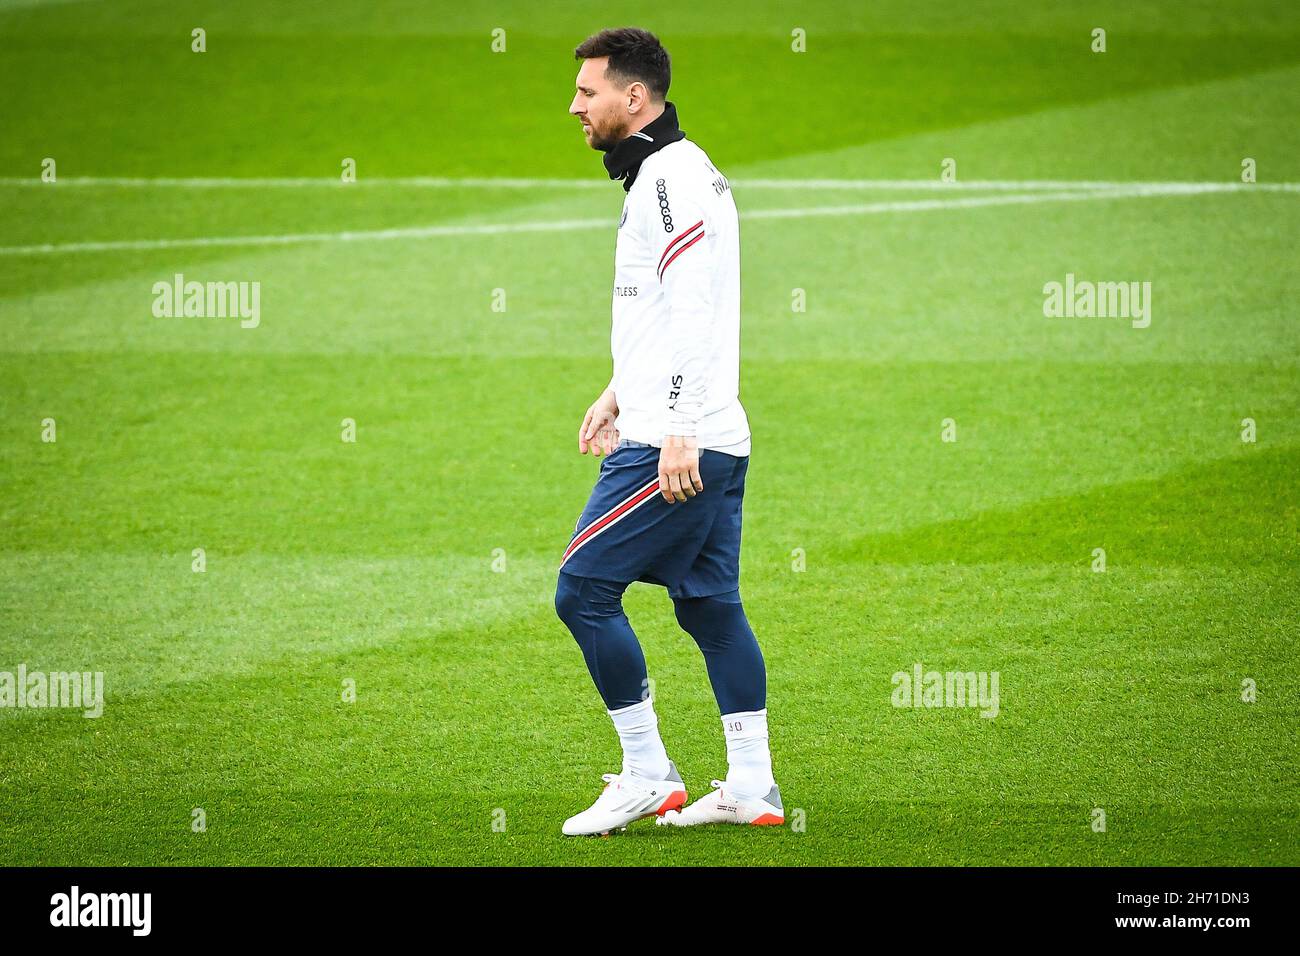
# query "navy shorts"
(628, 532)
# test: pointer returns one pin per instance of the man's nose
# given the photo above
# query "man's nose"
(573, 106)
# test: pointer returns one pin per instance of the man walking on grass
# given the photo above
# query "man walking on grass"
(666, 508)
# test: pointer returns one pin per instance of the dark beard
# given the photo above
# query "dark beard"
(606, 143)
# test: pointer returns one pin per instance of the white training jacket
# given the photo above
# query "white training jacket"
(676, 330)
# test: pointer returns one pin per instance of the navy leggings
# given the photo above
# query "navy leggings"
(593, 611)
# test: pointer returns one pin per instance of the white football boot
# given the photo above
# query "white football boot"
(720, 806)
(625, 799)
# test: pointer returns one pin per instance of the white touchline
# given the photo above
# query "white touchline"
(981, 185)
(923, 205)
(566, 225)
(307, 182)
(374, 235)
(488, 182)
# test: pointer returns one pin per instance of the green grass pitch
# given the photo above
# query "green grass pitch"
(418, 561)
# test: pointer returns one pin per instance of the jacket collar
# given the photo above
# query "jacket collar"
(625, 159)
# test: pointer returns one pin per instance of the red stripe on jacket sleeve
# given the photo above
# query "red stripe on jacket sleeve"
(669, 248)
(680, 250)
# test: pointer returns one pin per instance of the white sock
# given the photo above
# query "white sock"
(638, 730)
(749, 762)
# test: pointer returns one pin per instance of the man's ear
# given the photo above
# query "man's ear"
(637, 97)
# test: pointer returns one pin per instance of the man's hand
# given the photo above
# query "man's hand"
(679, 469)
(597, 431)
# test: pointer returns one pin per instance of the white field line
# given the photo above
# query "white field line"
(443, 182)
(972, 202)
(1030, 185)
(299, 238)
(568, 225)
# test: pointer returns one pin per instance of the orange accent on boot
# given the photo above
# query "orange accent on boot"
(676, 800)
(767, 820)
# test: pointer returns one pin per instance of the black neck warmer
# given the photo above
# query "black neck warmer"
(625, 159)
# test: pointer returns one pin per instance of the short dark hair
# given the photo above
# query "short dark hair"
(634, 54)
